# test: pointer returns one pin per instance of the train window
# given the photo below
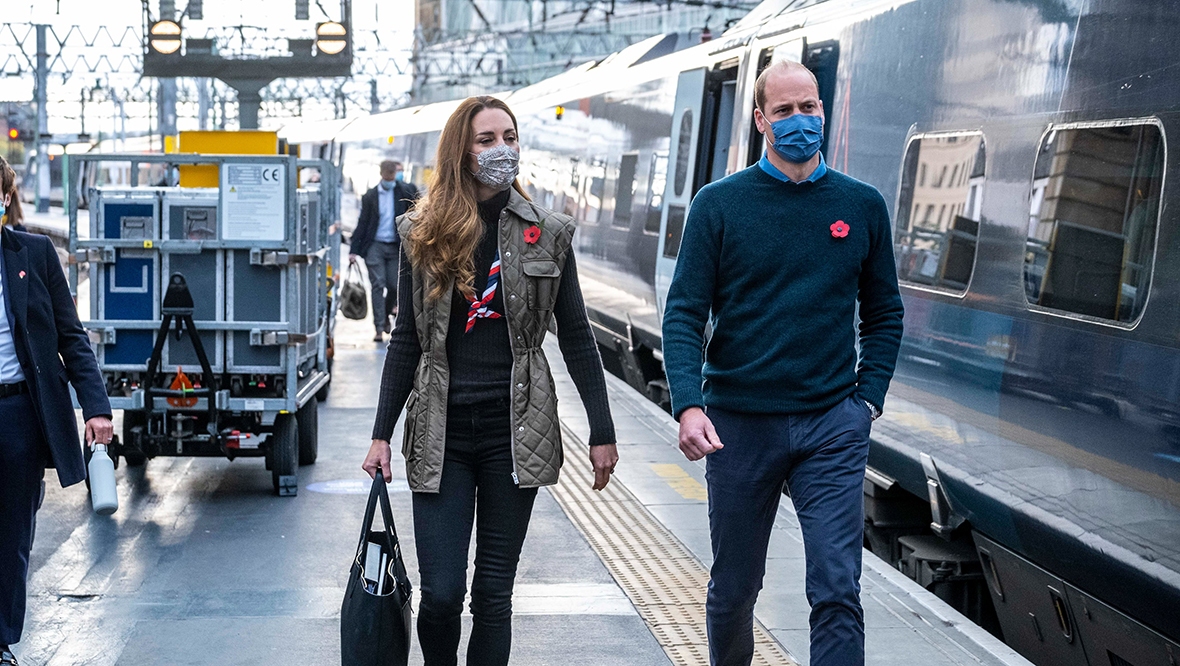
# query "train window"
(683, 152)
(625, 190)
(1092, 222)
(937, 225)
(674, 232)
(656, 182)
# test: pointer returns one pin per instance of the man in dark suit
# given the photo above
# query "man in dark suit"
(376, 240)
(42, 347)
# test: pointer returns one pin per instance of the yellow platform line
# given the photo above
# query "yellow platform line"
(661, 577)
(681, 481)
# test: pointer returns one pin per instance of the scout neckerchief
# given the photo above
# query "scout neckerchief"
(480, 309)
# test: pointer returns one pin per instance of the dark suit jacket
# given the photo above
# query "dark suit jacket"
(404, 194)
(47, 332)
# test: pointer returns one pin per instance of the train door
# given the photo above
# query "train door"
(678, 190)
(702, 133)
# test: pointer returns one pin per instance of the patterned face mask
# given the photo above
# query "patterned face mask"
(498, 166)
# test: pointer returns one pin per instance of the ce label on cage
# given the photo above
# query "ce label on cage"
(253, 201)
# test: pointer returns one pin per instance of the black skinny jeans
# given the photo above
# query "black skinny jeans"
(477, 469)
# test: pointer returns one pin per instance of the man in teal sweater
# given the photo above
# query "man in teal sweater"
(780, 253)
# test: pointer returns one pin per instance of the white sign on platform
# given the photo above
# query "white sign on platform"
(253, 201)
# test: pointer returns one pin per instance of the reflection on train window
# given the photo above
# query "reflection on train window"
(570, 198)
(683, 152)
(938, 217)
(625, 190)
(590, 191)
(656, 182)
(1091, 227)
(674, 232)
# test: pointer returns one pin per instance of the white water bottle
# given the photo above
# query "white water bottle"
(102, 482)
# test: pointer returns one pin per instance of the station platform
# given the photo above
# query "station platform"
(55, 223)
(202, 564)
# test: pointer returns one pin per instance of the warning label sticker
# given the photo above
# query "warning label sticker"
(253, 201)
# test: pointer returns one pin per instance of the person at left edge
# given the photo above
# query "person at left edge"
(376, 239)
(42, 346)
(12, 215)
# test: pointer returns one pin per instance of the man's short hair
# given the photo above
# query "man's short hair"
(390, 165)
(783, 66)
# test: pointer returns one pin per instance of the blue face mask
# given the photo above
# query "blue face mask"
(797, 138)
(2, 210)
(400, 176)
(386, 184)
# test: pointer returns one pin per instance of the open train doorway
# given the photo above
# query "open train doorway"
(702, 134)
(717, 116)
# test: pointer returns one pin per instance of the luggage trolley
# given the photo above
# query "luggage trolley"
(210, 308)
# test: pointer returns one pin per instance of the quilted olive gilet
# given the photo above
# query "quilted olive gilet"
(530, 274)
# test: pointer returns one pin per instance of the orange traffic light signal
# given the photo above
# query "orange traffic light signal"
(13, 133)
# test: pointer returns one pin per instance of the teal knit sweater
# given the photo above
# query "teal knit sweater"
(781, 267)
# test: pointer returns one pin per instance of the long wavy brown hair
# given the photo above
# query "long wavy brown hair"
(447, 227)
(14, 214)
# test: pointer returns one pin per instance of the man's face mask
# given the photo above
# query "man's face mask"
(498, 166)
(797, 138)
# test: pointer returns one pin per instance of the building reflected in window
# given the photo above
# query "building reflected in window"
(939, 210)
(1092, 223)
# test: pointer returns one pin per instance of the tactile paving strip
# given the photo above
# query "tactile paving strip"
(659, 574)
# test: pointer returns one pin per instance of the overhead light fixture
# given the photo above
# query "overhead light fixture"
(164, 37)
(331, 37)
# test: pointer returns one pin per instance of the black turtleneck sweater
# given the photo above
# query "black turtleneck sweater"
(480, 360)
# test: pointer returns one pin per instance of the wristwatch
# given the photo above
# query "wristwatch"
(873, 411)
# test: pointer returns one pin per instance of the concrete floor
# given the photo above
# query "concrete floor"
(202, 564)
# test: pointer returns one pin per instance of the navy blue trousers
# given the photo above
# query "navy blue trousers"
(821, 456)
(476, 488)
(23, 453)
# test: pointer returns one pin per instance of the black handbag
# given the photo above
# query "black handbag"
(375, 619)
(354, 303)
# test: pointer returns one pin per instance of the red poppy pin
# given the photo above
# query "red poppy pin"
(532, 234)
(839, 229)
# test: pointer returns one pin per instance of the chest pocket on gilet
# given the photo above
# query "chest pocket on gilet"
(542, 276)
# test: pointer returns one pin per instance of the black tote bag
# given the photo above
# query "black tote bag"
(354, 303)
(375, 623)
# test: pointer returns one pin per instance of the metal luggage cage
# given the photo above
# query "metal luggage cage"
(261, 252)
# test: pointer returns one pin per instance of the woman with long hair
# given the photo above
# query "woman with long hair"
(487, 271)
